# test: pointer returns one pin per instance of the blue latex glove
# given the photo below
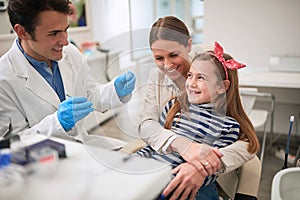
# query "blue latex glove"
(124, 84)
(72, 110)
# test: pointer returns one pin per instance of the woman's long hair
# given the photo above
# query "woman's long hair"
(169, 28)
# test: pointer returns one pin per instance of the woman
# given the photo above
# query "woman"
(170, 43)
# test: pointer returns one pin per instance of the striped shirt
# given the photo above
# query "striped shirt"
(200, 124)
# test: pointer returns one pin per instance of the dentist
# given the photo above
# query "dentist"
(45, 85)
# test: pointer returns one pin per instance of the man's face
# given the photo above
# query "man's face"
(50, 37)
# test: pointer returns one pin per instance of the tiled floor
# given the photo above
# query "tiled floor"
(270, 166)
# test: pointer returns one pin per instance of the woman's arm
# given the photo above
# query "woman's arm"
(198, 154)
(235, 155)
(150, 129)
(232, 156)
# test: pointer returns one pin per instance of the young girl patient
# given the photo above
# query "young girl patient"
(208, 112)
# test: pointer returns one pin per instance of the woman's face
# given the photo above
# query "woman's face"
(202, 85)
(171, 58)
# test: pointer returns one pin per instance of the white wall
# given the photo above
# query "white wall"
(110, 21)
(111, 26)
(254, 30)
(251, 31)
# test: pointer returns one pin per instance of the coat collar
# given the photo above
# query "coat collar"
(34, 81)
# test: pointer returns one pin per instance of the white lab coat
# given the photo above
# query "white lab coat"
(29, 103)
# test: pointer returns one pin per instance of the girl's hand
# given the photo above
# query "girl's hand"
(186, 183)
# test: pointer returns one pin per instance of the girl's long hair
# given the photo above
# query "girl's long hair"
(232, 105)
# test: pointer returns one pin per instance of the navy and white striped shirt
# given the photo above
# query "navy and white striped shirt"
(200, 124)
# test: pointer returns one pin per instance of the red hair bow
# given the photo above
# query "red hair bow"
(227, 64)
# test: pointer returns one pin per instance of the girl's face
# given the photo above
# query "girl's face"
(202, 84)
(171, 58)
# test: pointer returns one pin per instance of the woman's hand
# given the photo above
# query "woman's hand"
(186, 183)
(199, 155)
(203, 155)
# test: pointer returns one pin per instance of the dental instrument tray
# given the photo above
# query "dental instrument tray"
(47, 143)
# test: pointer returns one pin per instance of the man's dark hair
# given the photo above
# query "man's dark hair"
(26, 12)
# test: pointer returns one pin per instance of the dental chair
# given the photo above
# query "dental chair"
(260, 117)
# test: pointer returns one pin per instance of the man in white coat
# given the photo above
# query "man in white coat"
(45, 85)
